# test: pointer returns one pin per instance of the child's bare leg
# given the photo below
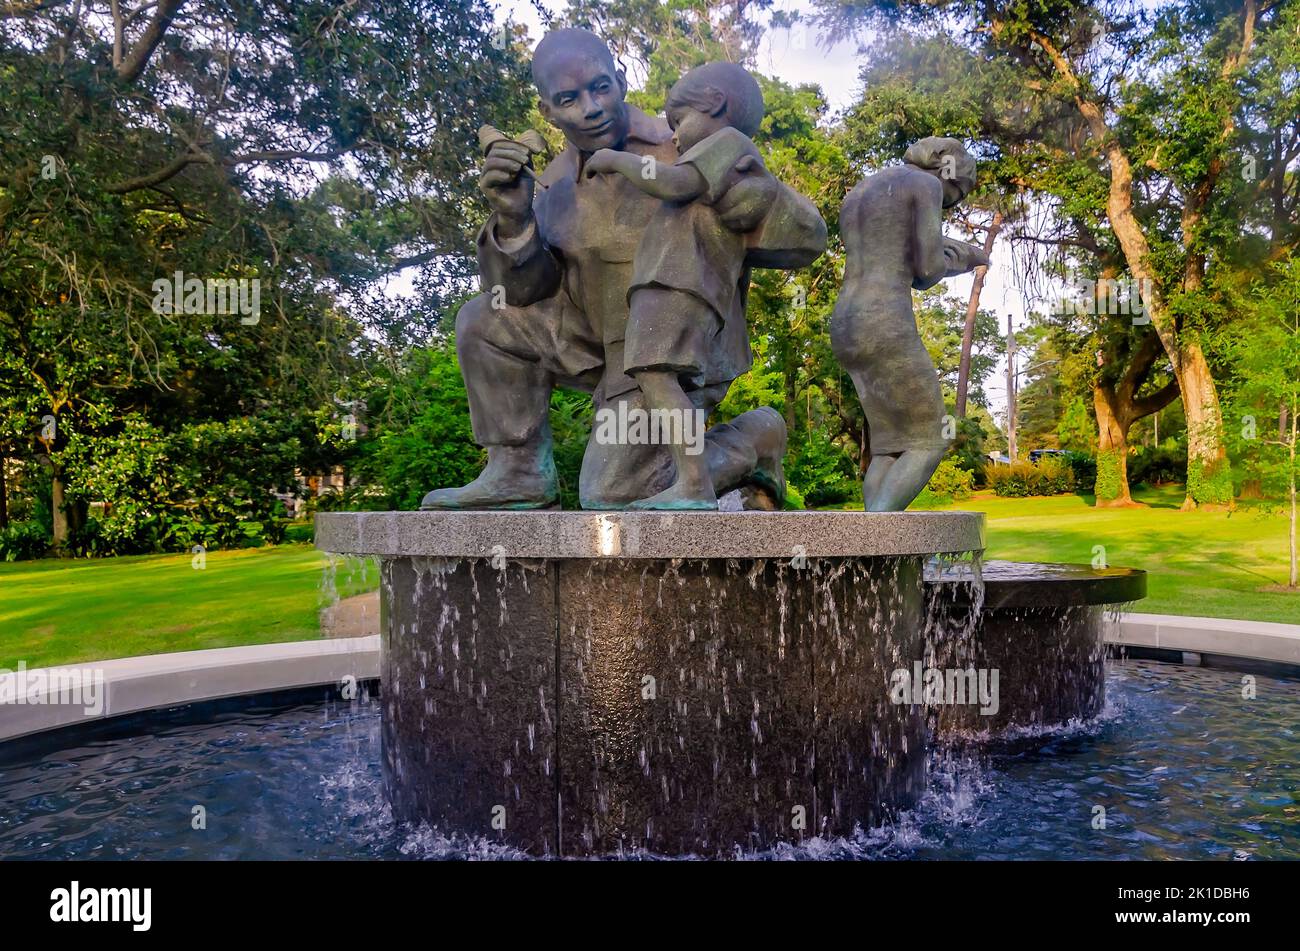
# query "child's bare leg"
(905, 480)
(874, 478)
(693, 488)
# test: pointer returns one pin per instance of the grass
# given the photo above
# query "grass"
(64, 612)
(1213, 564)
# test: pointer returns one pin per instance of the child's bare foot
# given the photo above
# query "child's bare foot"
(680, 497)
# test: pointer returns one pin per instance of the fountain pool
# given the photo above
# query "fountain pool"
(1184, 767)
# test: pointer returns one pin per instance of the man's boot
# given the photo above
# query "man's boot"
(515, 477)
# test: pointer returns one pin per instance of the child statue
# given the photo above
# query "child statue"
(891, 224)
(689, 273)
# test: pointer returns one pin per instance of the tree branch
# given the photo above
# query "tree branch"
(170, 170)
(136, 61)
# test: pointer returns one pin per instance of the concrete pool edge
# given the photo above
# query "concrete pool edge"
(1268, 642)
(165, 681)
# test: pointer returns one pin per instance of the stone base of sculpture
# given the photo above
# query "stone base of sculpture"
(573, 683)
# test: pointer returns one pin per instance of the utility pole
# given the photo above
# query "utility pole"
(1012, 394)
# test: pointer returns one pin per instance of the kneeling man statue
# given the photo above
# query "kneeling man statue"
(556, 258)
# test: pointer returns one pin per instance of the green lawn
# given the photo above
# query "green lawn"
(1211, 564)
(61, 612)
(57, 612)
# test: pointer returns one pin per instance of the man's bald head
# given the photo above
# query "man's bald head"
(580, 89)
(566, 45)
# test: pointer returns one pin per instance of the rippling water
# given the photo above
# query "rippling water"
(1183, 766)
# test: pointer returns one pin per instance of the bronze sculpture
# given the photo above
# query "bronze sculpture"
(891, 223)
(686, 284)
(556, 265)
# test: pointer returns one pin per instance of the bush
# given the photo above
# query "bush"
(22, 541)
(1158, 465)
(951, 482)
(203, 484)
(825, 474)
(1049, 476)
(1084, 467)
(1108, 481)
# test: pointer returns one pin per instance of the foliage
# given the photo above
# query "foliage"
(22, 540)
(1109, 481)
(1265, 391)
(1084, 467)
(418, 434)
(1048, 476)
(1209, 484)
(571, 417)
(313, 148)
(949, 483)
(1076, 431)
(820, 470)
(206, 484)
(1158, 465)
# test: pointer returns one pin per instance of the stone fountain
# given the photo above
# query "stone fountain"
(660, 672)
(577, 683)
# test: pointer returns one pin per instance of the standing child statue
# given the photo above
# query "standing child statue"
(892, 226)
(690, 271)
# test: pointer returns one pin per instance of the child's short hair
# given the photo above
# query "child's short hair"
(946, 156)
(744, 100)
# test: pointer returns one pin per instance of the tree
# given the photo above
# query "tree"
(1266, 398)
(309, 147)
(1154, 107)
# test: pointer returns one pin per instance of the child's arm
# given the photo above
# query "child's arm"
(658, 179)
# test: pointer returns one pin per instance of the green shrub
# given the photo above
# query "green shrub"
(823, 471)
(1049, 476)
(1209, 485)
(22, 541)
(1108, 479)
(1084, 466)
(1156, 465)
(951, 482)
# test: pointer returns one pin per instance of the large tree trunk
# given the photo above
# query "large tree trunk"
(1112, 451)
(1208, 478)
(4, 495)
(1209, 481)
(60, 512)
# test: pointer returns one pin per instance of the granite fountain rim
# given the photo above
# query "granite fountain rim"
(661, 535)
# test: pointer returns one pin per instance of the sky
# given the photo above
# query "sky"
(798, 56)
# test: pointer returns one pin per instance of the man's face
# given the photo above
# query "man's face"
(583, 98)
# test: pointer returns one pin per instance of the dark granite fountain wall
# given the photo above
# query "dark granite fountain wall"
(577, 683)
(1040, 626)
(581, 707)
